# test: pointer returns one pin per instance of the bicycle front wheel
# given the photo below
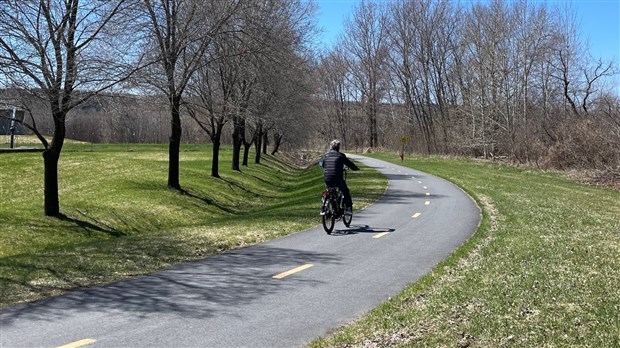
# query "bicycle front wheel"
(346, 218)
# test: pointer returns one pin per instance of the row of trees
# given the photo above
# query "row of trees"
(492, 79)
(218, 61)
(488, 79)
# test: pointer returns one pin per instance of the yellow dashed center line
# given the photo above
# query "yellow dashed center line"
(428, 193)
(380, 235)
(79, 343)
(427, 203)
(415, 216)
(293, 271)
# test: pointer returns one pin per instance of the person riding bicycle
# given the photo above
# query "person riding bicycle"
(333, 172)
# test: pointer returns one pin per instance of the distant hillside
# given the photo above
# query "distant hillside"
(107, 118)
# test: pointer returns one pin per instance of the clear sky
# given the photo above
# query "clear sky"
(600, 23)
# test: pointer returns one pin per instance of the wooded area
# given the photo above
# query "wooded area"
(497, 79)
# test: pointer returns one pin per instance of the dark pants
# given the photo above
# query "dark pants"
(342, 186)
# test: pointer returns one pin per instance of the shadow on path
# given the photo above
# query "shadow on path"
(355, 229)
(216, 285)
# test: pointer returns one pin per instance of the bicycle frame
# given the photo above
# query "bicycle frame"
(332, 195)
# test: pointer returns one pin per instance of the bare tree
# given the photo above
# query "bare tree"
(212, 91)
(337, 93)
(277, 32)
(291, 114)
(64, 52)
(497, 78)
(422, 60)
(182, 31)
(366, 43)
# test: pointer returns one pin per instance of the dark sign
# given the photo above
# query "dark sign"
(6, 116)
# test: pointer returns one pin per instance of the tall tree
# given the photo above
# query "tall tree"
(213, 95)
(422, 42)
(63, 51)
(182, 31)
(366, 42)
(337, 92)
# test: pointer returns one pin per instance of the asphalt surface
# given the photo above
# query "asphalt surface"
(233, 299)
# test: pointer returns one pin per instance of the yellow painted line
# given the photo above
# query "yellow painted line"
(79, 343)
(428, 193)
(293, 271)
(380, 235)
(427, 203)
(415, 216)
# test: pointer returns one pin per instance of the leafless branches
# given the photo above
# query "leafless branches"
(491, 79)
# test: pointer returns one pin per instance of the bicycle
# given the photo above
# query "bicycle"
(332, 208)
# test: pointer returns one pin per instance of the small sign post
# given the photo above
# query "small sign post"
(404, 141)
(12, 128)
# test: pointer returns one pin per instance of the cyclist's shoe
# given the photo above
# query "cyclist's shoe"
(348, 211)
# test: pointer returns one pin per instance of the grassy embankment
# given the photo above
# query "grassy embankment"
(123, 221)
(543, 270)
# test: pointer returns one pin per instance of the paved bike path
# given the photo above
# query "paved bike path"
(233, 299)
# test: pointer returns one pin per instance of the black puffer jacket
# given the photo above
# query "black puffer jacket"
(333, 166)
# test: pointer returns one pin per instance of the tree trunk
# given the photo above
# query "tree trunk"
(372, 123)
(215, 164)
(175, 144)
(50, 161)
(258, 144)
(375, 135)
(237, 139)
(265, 141)
(246, 152)
(51, 205)
(216, 140)
(277, 140)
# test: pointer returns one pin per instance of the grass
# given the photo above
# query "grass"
(123, 221)
(543, 270)
(29, 141)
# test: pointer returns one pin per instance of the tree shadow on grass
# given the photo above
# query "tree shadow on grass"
(232, 183)
(214, 286)
(92, 227)
(208, 201)
(258, 178)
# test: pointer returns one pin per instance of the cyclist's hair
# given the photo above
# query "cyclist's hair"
(335, 145)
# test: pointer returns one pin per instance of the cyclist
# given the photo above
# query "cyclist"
(333, 169)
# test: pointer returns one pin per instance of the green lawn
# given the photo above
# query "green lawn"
(543, 270)
(123, 221)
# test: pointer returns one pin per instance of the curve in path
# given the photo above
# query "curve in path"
(283, 293)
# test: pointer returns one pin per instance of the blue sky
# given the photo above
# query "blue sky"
(600, 23)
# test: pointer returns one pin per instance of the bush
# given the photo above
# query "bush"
(584, 144)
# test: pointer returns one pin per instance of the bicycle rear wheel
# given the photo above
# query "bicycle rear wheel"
(328, 218)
